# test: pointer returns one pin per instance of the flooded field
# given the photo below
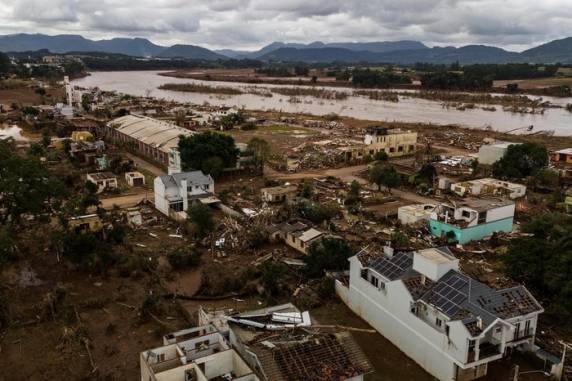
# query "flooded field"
(408, 109)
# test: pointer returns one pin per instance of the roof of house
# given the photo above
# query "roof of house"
(102, 175)
(298, 353)
(455, 294)
(192, 178)
(565, 151)
(156, 133)
(482, 204)
(310, 235)
(460, 297)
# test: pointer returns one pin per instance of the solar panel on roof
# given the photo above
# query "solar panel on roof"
(447, 294)
(392, 268)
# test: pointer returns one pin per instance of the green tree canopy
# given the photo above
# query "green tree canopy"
(27, 186)
(521, 160)
(197, 151)
(387, 176)
(261, 150)
(327, 254)
(316, 212)
(544, 260)
(5, 64)
(201, 216)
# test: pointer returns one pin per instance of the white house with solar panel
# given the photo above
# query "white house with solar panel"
(450, 324)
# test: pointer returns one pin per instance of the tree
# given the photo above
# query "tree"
(261, 150)
(546, 178)
(427, 173)
(521, 160)
(201, 216)
(542, 260)
(184, 258)
(353, 196)
(27, 186)
(317, 212)
(196, 150)
(7, 244)
(5, 64)
(380, 156)
(307, 189)
(327, 254)
(213, 166)
(384, 175)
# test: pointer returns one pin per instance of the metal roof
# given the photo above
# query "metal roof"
(192, 178)
(455, 294)
(156, 133)
(460, 297)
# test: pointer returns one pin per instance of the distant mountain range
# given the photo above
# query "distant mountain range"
(398, 52)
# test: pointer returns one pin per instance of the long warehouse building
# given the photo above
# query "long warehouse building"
(150, 137)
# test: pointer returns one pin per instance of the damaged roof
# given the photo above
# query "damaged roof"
(455, 294)
(460, 297)
(289, 349)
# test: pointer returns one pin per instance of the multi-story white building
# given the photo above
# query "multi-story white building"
(450, 324)
(174, 192)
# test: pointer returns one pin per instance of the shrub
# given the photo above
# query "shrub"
(183, 258)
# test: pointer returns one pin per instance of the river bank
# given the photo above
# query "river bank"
(408, 109)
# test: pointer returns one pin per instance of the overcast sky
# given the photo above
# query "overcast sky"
(250, 24)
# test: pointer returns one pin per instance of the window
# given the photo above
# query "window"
(466, 214)
(176, 206)
(527, 328)
(374, 281)
(517, 331)
(364, 274)
(382, 286)
(438, 322)
(400, 149)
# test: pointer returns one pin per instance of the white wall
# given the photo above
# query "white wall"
(389, 313)
(500, 213)
(161, 202)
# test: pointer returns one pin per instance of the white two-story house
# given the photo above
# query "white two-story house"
(450, 324)
(175, 192)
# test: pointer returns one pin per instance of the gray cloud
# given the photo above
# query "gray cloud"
(514, 24)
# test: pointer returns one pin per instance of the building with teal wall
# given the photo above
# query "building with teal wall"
(472, 219)
(472, 233)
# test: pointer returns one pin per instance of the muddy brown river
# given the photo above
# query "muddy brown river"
(408, 109)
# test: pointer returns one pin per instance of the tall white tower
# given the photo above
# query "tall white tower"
(174, 161)
(69, 91)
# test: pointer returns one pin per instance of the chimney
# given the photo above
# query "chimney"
(388, 250)
(479, 323)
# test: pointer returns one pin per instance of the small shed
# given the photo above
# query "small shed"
(279, 194)
(135, 179)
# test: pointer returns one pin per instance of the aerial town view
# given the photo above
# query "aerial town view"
(244, 190)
